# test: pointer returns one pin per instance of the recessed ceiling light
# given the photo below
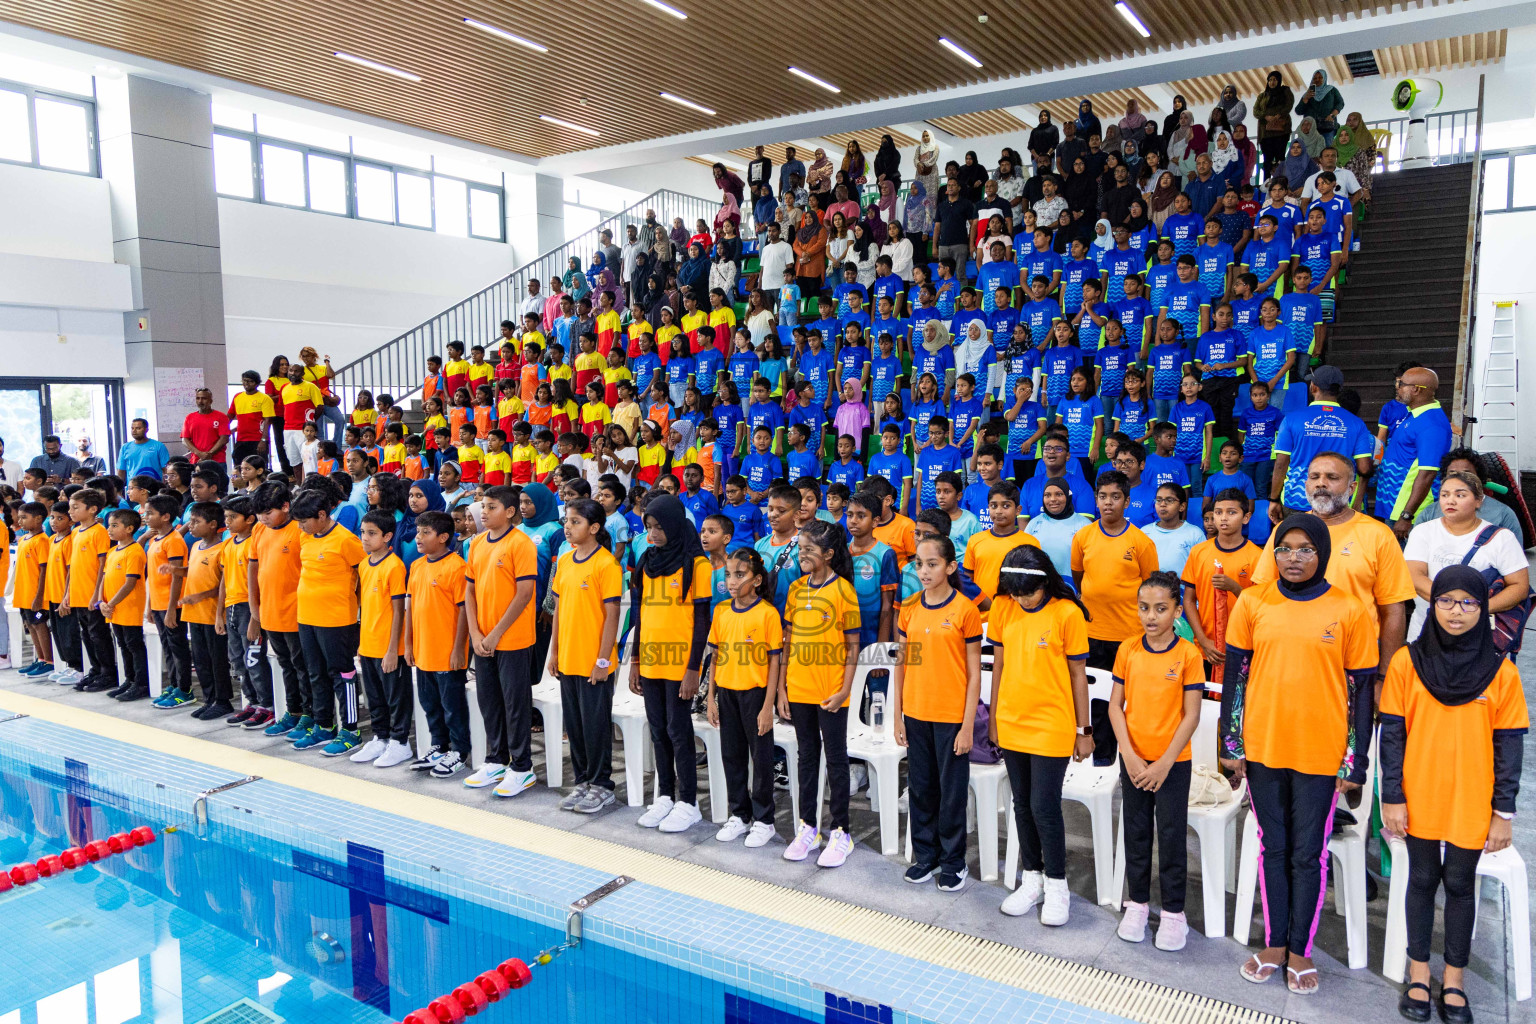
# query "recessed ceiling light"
(686, 103)
(504, 34)
(814, 80)
(679, 15)
(952, 48)
(376, 66)
(567, 124)
(1130, 16)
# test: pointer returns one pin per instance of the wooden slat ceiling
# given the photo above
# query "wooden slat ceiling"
(774, 152)
(869, 140)
(1203, 92)
(985, 122)
(1436, 55)
(1107, 106)
(602, 61)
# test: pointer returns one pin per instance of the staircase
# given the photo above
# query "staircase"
(1403, 294)
(398, 367)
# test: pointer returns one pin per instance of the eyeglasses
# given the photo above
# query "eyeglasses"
(1466, 604)
(1399, 382)
(1305, 551)
(1054, 448)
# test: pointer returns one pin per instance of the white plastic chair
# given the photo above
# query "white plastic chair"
(546, 698)
(710, 735)
(635, 734)
(424, 734)
(1215, 827)
(154, 660)
(1094, 788)
(1346, 847)
(1508, 869)
(879, 750)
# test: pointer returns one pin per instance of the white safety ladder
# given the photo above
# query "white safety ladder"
(1497, 409)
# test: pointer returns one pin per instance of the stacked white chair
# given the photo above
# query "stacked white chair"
(546, 698)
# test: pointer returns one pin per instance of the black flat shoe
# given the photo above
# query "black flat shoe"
(1415, 1009)
(1455, 1014)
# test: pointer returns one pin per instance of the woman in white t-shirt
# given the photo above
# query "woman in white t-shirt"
(1438, 543)
(899, 248)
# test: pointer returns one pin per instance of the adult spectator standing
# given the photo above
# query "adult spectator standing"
(1324, 427)
(611, 254)
(953, 224)
(887, 161)
(249, 412)
(1413, 453)
(628, 257)
(321, 374)
(142, 455)
(1071, 146)
(93, 464)
(1116, 205)
(1043, 140)
(1205, 187)
(205, 432)
(1328, 160)
(776, 256)
(1367, 561)
(10, 469)
(1322, 103)
(791, 169)
(56, 466)
(1465, 460)
(1457, 538)
(533, 302)
(302, 402)
(729, 184)
(759, 172)
(1272, 111)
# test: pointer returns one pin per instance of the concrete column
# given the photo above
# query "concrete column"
(157, 157)
(535, 215)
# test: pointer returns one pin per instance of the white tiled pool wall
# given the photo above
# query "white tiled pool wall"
(791, 966)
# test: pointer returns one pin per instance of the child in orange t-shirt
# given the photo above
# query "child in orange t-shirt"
(166, 552)
(121, 595)
(381, 642)
(485, 413)
(200, 609)
(437, 644)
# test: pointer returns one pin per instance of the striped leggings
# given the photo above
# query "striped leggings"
(1294, 813)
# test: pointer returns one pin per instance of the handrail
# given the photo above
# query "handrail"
(1461, 393)
(399, 366)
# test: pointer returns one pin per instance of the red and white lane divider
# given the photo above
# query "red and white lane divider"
(473, 996)
(75, 857)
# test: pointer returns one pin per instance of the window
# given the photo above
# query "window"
(47, 130)
(1509, 181)
(374, 181)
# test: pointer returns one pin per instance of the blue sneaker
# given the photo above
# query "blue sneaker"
(282, 727)
(302, 728)
(173, 698)
(38, 668)
(316, 737)
(345, 740)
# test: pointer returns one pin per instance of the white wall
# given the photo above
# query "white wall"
(62, 298)
(295, 278)
(683, 176)
(1503, 274)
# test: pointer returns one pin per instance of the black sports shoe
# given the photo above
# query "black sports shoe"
(917, 874)
(133, 693)
(99, 686)
(953, 883)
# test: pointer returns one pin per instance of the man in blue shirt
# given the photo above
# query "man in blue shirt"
(1322, 427)
(1204, 188)
(1412, 459)
(143, 454)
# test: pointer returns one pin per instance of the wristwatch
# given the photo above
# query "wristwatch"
(603, 663)
(1506, 815)
(1085, 730)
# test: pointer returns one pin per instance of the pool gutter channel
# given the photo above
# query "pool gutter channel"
(1033, 973)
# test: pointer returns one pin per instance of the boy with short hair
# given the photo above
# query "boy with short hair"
(1257, 428)
(1163, 466)
(436, 644)
(938, 457)
(891, 464)
(747, 518)
(248, 662)
(497, 462)
(119, 599)
(413, 467)
(327, 610)
(87, 556)
(761, 467)
(28, 593)
(1216, 573)
(780, 548)
(1231, 476)
(64, 627)
(272, 579)
(471, 458)
(200, 609)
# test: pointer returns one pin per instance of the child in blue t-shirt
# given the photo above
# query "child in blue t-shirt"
(789, 299)
(1027, 421)
(1133, 412)
(1082, 414)
(1257, 428)
(1164, 273)
(1040, 312)
(1057, 364)
(747, 517)
(1092, 317)
(846, 469)
(1110, 363)
(1195, 421)
(885, 370)
(890, 464)
(937, 456)
(1077, 270)
(761, 467)
(802, 460)
(1166, 363)
(926, 404)
(1213, 260)
(965, 411)
(1231, 475)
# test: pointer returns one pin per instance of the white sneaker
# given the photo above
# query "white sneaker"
(839, 846)
(395, 753)
(5, 661)
(513, 783)
(449, 765)
(1172, 931)
(733, 829)
(681, 818)
(858, 776)
(369, 751)
(1023, 899)
(1133, 923)
(759, 835)
(68, 677)
(656, 812)
(489, 774)
(807, 838)
(1058, 903)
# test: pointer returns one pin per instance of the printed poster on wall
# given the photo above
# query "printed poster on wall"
(176, 393)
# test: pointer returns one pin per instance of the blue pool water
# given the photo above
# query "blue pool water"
(316, 910)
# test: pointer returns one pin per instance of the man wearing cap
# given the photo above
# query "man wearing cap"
(1322, 427)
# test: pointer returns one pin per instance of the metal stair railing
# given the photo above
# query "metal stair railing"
(399, 366)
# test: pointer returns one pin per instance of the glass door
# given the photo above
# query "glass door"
(74, 410)
(21, 425)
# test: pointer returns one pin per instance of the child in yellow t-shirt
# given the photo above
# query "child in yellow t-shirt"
(121, 598)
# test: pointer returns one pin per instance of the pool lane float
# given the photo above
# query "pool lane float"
(75, 857)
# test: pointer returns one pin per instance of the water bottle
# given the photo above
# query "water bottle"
(877, 717)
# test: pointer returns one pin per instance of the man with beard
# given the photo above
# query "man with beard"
(1323, 426)
(1366, 560)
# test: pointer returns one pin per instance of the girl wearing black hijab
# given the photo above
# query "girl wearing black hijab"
(670, 597)
(972, 176)
(1453, 719)
(888, 161)
(1296, 711)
